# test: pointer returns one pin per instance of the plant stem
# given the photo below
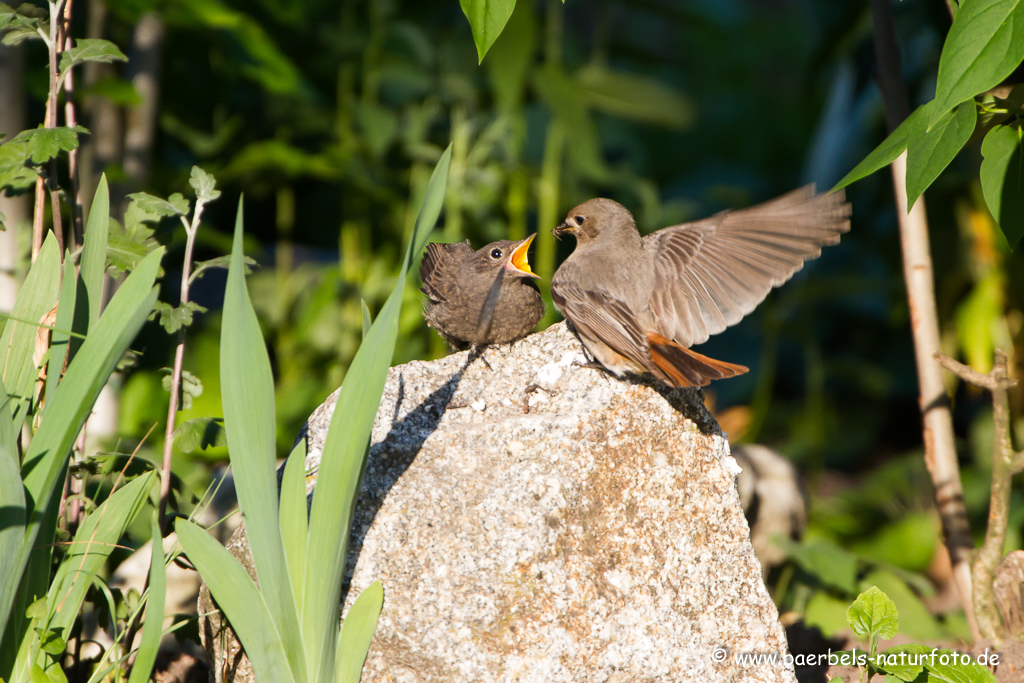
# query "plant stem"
(179, 358)
(939, 445)
(70, 119)
(987, 559)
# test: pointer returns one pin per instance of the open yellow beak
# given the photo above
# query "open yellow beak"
(520, 259)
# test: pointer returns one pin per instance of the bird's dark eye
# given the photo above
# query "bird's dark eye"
(496, 253)
(579, 219)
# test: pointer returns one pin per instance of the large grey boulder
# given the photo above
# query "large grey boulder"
(533, 520)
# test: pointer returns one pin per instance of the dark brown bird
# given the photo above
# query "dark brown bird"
(639, 303)
(480, 297)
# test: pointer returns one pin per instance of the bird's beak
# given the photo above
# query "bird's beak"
(520, 261)
(566, 226)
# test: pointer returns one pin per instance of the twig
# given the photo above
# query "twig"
(179, 359)
(989, 556)
(939, 444)
(75, 200)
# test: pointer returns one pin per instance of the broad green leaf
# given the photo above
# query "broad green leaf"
(487, 18)
(153, 626)
(357, 633)
(93, 544)
(873, 614)
(635, 97)
(903, 662)
(94, 249)
(948, 666)
(244, 605)
(198, 434)
(21, 23)
(43, 144)
(37, 296)
(191, 387)
(367, 320)
(204, 184)
(129, 244)
(90, 50)
(176, 205)
(889, 149)
(247, 397)
(979, 317)
(824, 560)
(929, 152)
(1002, 179)
(47, 456)
(173, 318)
(915, 619)
(984, 45)
(826, 613)
(295, 517)
(12, 502)
(8, 436)
(347, 444)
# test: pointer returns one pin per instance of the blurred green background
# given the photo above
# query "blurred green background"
(330, 115)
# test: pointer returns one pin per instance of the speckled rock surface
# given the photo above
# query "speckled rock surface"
(588, 530)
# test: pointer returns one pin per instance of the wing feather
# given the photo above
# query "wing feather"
(711, 273)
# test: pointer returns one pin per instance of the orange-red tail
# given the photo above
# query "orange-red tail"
(685, 368)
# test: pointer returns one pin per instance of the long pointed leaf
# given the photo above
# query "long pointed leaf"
(346, 446)
(242, 603)
(60, 336)
(37, 296)
(247, 390)
(153, 627)
(294, 517)
(357, 634)
(94, 249)
(72, 402)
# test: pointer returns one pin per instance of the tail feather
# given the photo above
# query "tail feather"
(685, 368)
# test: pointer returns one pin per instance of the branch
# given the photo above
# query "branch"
(939, 444)
(972, 376)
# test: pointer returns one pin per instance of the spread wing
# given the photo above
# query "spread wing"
(436, 270)
(600, 316)
(711, 273)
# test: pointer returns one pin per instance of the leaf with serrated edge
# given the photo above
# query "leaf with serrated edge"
(872, 614)
(91, 50)
(203, 183)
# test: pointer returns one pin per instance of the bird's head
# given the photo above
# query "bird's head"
(507, 254)
(593, 217)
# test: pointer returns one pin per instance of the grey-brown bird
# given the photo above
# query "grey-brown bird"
(639, 303)
(480, 297)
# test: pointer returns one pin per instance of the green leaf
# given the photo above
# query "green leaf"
(43, 144)
(93, 544)
(295, 517)
(873, 614)
(347, 444)
(47, 455)
(487, 18)
(824, 560)
(915, 619)
(37, 296)
(367, 320)
(128, 245)
(929, 152)
(903, 662)
(173, 318)
(21, 23)
(511, 57)
(94, 250)
(357, 633)
(154, 624)
(947, 666)
(247, 398)
(242, 603)
(635, 97)
(59, 336)
(90, 50)
(889, 149)
(219, 262)
(12, 493)
(985, 44)
(1002, 179)
(191, 387)
(176, 205)
(199, 434)
(204, 184)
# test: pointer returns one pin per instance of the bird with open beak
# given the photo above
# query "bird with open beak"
(640, 303)
(480, 297)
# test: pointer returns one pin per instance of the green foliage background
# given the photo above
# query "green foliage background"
(330, 116)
